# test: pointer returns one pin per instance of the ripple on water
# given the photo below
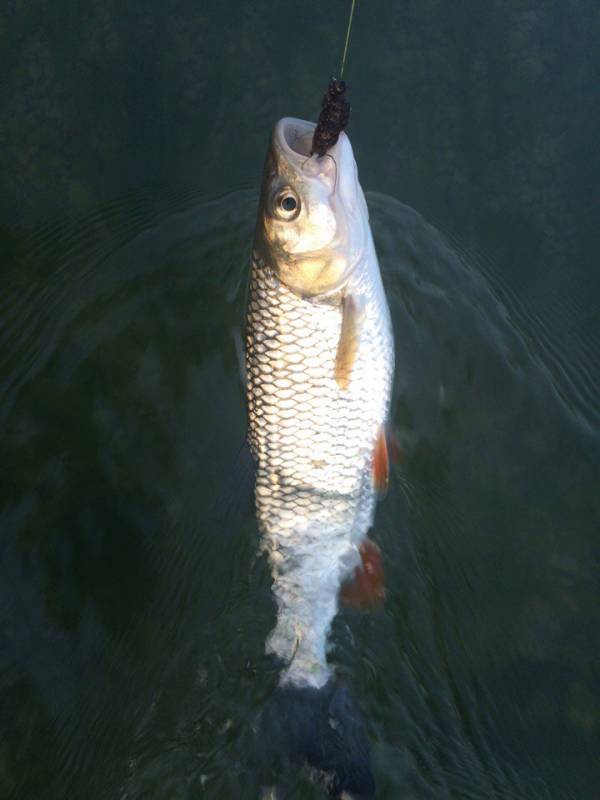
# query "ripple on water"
(142, 614)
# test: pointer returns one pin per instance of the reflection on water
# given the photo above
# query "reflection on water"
(135, 608)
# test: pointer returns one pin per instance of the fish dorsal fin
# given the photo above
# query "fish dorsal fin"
(347, 350)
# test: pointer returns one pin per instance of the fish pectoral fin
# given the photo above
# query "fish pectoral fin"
(347, 350)
(381, 462)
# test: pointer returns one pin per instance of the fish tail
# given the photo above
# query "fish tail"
(324, 729)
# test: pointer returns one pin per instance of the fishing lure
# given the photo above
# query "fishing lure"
(333, 119)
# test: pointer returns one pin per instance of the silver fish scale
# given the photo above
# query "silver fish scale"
(313, 443)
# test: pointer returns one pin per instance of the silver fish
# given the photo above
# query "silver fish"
(319, 363)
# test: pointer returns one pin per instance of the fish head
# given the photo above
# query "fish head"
(313, 223)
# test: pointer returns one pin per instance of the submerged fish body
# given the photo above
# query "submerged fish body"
(319, 362)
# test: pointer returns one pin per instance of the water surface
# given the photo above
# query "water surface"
(133, 603)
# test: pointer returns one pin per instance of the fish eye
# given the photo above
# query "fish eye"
(287, 204)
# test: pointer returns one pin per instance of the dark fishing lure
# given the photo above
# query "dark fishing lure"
(333, 119)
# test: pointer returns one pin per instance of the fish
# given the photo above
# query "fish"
(319, 362)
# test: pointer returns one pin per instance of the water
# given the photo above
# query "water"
(133, 604)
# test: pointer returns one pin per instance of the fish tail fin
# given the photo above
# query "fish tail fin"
(322, 728)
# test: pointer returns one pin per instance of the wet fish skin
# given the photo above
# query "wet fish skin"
(319, 362)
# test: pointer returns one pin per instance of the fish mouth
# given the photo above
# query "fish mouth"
(292, 145)
(294, 137)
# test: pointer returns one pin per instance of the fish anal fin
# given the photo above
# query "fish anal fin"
(366, 588)
(347, 350)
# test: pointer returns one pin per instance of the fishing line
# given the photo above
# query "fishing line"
(350, 18)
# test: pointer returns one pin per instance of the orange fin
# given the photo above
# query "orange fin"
(347, 349)
(395, 449)
(381, 462)
(366, 589)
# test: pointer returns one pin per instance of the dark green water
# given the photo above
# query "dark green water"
(133, 606)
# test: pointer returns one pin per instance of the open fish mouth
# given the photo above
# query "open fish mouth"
(294, 137)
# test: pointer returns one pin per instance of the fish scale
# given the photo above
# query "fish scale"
(313, 443)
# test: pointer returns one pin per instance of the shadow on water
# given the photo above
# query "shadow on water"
(133, 617)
